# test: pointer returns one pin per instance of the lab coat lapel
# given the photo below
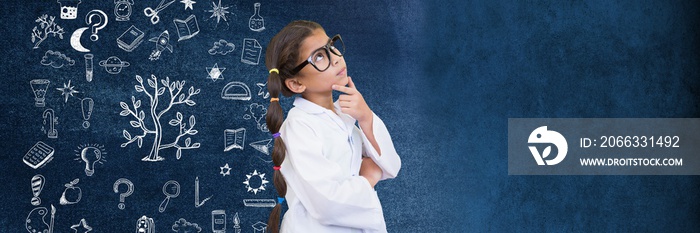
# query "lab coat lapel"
(342, 120)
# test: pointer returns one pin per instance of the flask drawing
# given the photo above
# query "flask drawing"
(256, 22)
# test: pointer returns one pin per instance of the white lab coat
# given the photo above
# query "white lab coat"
(324, 190)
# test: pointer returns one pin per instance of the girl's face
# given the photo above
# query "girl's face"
(316, 81)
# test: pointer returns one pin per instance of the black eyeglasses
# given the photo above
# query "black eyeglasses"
(321, 58)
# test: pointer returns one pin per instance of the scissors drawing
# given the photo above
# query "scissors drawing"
(150, 12)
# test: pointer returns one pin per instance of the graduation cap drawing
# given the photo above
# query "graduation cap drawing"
(259, 227)
(236, 91)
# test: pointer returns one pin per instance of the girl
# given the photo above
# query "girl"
(325, 166)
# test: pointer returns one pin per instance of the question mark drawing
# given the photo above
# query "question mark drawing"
(94, 27)
(130, 190)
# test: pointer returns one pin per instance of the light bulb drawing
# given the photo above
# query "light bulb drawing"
(39, 87)
(90, 154)
(87, 106)
(53, 120)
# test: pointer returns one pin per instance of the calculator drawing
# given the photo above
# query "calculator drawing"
(38, 155)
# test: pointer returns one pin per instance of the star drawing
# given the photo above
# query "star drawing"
(215, 73)
(218, 11)
(67, 90)
(83, 225)
(188, 3)
(263, 90)
(227, 170)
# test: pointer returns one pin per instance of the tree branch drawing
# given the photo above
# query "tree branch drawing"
(176, 97)
(48, 27)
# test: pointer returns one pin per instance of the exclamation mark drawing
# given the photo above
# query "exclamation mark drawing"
(87, 105)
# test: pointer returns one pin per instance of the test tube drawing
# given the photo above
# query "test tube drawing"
(88, 67)
(39, 87)
(87, 105)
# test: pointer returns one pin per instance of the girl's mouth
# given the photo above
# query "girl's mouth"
(342, 72)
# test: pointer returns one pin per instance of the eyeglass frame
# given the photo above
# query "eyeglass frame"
(328, 49)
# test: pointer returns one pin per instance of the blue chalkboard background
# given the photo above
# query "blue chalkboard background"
(444, 77)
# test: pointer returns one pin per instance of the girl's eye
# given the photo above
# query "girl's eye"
(319, 57)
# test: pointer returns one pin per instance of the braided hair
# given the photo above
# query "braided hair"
(280, 58)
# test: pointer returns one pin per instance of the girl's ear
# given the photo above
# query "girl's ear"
(294, 85)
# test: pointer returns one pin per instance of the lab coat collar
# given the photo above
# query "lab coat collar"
(313, 108)
(308, 106)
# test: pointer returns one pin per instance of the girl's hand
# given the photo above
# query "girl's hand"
(352, 103)
(370, 171)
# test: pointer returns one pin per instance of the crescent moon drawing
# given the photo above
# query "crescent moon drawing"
(75, 40)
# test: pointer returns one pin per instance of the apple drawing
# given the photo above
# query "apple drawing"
(71, 194)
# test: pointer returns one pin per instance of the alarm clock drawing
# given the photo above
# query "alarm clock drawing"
(122, 9)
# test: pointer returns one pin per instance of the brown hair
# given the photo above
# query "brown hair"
(282, 54)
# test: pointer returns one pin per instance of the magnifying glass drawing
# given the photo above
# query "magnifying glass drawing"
(171, 189)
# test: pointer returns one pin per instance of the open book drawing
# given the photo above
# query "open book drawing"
(186, 28)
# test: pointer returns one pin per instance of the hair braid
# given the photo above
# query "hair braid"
(281, 54)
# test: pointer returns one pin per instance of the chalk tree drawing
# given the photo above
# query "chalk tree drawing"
(48, 27)
(176, 97)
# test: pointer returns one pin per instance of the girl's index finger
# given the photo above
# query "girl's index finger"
(346, 90)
